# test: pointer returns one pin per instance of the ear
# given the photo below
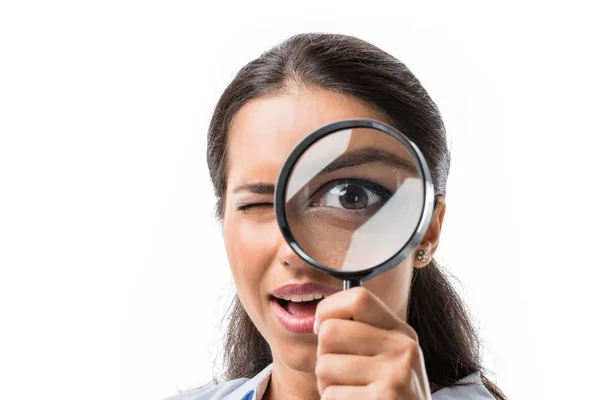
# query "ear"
(430, 241)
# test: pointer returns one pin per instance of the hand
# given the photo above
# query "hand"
(367, 352)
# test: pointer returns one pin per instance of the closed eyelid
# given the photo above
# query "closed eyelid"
(253, 193)
(247, 201)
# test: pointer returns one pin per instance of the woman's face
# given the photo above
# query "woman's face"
(262, 135)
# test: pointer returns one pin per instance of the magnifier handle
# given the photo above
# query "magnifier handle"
(349, 284)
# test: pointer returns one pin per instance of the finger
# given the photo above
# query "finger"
(358, 304)
(340, 336)
(346, 393)
(361, 305)
(344, 370)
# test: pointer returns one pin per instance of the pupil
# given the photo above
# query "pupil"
(353, 197)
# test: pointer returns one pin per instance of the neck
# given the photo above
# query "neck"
(287, 383)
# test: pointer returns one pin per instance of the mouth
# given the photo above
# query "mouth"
(301, 306)
(295, 306)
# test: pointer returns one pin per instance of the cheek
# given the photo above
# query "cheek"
(250, 251)
(393, 287)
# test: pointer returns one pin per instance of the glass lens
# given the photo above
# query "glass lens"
(354, 199)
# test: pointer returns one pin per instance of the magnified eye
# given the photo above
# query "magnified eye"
(351, 195)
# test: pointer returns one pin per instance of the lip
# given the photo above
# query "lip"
(291, 322)
(305, 288)
(294, 323)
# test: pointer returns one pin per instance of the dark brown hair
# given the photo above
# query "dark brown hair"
(347, 65)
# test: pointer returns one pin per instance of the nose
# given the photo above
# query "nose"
(289, 259)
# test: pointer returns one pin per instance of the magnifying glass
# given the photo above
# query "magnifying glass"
(354, 199)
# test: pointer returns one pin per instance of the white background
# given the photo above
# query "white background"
(112, 270)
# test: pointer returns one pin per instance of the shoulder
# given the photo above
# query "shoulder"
(236, 389)
(210, 392)
(474, 390)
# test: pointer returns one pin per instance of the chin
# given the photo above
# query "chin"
(299, 356)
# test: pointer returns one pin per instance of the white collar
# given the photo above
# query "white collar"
(254, 389)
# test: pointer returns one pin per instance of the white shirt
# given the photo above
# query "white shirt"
(254, 389)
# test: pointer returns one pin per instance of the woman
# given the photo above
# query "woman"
(406, 333)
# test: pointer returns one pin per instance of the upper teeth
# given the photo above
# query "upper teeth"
(297, 298)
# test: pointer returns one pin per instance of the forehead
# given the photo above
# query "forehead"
(265, 130)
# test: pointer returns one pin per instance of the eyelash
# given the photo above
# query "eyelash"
(375, 188)
(243, 207)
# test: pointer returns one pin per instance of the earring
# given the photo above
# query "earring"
(422, 255)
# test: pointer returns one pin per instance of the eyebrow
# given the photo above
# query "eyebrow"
(369, 155)
(257, 188)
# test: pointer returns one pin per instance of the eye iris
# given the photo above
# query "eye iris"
(353, 197)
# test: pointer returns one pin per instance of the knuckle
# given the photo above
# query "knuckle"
(361, 298)
(406, 357)
(321, 306)
(403, 379)
(412, 333)
(328, 331)
(413, 351)
(402, 346)
(395, 377)
(322, 368)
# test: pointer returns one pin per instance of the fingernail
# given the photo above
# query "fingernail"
(316, 327)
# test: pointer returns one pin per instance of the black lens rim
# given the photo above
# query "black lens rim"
(298, 151)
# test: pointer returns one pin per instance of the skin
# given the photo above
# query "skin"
(362, 334)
